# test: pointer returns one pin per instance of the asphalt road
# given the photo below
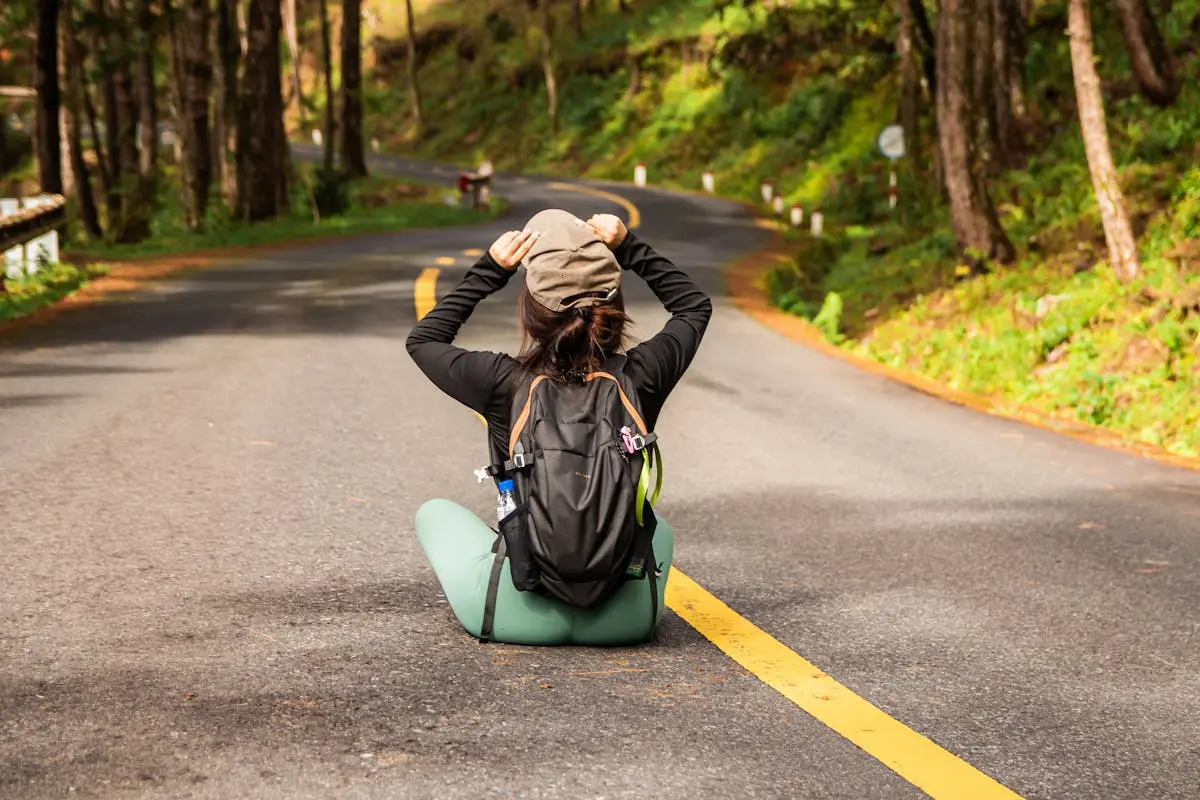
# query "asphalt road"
(211, 588)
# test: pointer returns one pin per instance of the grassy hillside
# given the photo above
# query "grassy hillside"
(797, 95)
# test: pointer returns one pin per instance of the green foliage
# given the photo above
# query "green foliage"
(51, 283)
(796, 95)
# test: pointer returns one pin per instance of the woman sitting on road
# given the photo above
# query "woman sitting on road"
(552, 413)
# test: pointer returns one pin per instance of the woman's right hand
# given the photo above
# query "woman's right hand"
(512, 247)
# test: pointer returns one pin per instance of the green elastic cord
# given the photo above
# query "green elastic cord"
(644, 484)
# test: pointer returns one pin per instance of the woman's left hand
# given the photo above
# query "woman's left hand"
(512, 247)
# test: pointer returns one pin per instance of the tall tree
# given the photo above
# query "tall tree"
(414, 88)
(145, 89)
(910, 79)
(105, 55)
(1009, 77)
(974, 218)
(229, 53)
(191, 67)
(134, 200)
(1122, 248)
(291, 28)
(49, 150)
(351, 133)
(73, 109)
(1148, 53)
(262, 183)
(576, 17)
(983, 109)
(327, 131)
(546, 31)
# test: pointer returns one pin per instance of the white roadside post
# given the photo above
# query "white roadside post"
(374, 145)
(891, 144)
(778, 205)
(14, 259)
(797, 215)
(317, 137)
(817, 224)
(639, 174)
(706, 180)
(768, 191)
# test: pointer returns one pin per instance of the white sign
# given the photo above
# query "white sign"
(891, 142)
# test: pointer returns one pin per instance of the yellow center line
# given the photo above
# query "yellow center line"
(923, 763)
(932, 769)
(425, 291)
(635, 216)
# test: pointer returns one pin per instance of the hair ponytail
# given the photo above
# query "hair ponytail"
(575, 342)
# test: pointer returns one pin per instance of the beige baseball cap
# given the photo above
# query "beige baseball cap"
(570, 266)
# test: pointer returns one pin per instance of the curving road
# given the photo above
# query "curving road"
(211, 588)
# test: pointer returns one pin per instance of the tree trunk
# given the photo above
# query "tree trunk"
(928, 43)
(64, 114)
(262, 184)
(72, 108)
(548, 63)
(1148, 53)
(910, 80)
(49, 147)
(576, 18)
(976, 225)
(105, 55)
(1009, 82)
(135, 203)
(291, 26)
(327, 132)
(414, 88)
(351, 138)
(147, 97)
(192, 69)
(226, 102)
(1122, 248)
(103, 173)
(982, 101)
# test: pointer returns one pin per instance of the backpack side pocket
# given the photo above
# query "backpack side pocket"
(515, 530)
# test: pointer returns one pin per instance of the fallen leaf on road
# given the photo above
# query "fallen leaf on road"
(263, 443)
(1090, 526)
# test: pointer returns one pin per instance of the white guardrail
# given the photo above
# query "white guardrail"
(29, 232)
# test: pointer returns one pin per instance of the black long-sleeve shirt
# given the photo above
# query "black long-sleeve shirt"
(485, 381)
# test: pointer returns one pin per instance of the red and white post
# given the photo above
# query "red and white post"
(706, 180)
(817, 223)
(892, 196)
(797, 215)
(768, 191)
(639, 174)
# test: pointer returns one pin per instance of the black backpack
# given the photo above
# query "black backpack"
(581, 459)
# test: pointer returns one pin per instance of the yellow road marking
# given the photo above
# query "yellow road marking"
(635, 216)
(935, 771)
(425, 291)
(444, 260)
(473, 252)
(921, 762)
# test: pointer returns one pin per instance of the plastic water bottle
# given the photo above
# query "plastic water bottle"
(506, 503)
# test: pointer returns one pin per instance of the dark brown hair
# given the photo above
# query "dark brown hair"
(564, 344)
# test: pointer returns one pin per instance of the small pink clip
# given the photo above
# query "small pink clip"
(627, 440)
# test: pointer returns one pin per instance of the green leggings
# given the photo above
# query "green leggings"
(458, 545)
